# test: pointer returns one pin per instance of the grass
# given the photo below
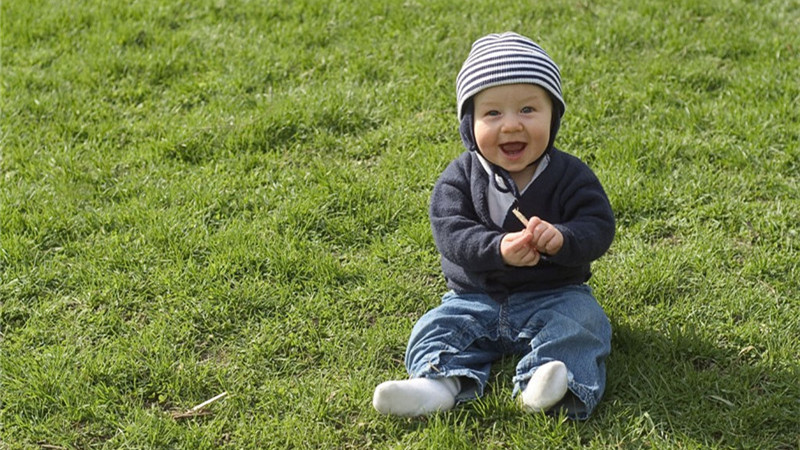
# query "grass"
(229, 196)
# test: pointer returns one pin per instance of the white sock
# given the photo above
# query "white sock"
(416, 397)
(547, 386)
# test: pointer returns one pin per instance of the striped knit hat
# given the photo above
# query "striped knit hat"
(507, 58)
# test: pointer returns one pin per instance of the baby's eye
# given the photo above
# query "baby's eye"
(493, 113)
(527, 109)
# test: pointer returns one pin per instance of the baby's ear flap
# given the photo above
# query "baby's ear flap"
(467, 127)
(555, 122)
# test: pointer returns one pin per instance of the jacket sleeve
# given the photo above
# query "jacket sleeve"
(460, 235)
(589, 226)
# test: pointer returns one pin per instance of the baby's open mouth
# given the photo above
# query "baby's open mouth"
(512, 148)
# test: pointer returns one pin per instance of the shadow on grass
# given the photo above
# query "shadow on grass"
(692, 388)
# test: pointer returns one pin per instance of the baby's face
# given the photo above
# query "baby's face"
(512, 127)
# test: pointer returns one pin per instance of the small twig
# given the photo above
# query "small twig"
(208, 402)
(53, 447)
(521, 218)
(199, 410)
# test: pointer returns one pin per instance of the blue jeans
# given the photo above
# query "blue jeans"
(467, 332)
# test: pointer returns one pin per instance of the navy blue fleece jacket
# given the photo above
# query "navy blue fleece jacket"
(567, 194)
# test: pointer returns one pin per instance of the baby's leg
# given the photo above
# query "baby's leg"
(570, 340)
(448, 358)
(416, 397)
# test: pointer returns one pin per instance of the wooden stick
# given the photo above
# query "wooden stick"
(198, 410)
(208, 402)
(521, 218)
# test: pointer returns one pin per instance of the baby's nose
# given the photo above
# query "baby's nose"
(511, 124)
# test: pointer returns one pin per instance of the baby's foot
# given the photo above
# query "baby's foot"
(416, 397)
(547, 386)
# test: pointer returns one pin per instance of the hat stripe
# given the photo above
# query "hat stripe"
(509, 47)
(509, 53)
(508, 58)
(520, 70)
(520, 67)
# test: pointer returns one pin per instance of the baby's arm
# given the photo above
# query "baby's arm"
(460, 236)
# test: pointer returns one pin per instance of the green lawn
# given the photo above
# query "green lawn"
(215, 196)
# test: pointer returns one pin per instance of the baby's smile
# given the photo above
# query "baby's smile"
(513, 149)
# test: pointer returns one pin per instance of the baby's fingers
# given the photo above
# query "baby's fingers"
(515, 248)
(531, 258)
(518, 240)
(546, 241)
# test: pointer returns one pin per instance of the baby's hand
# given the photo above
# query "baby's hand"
(545, 237)
(518, 250)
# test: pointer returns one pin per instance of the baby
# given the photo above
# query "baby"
(514, 288)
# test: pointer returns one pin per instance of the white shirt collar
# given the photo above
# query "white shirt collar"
(501, 202)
